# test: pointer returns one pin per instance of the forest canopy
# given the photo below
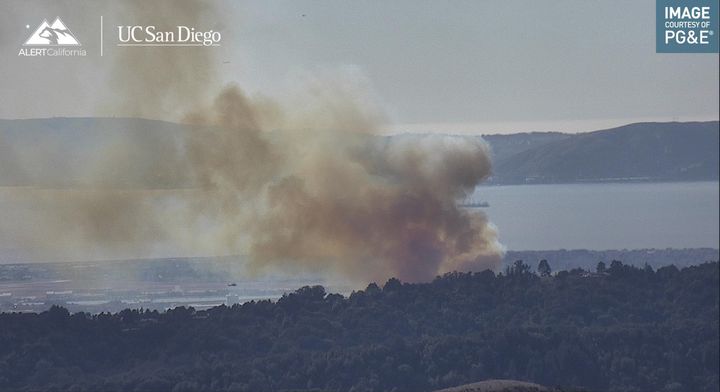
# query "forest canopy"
(617, 328)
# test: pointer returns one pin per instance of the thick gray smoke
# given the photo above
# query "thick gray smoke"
(292, 183)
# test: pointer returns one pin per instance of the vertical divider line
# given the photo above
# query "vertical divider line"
(101, 35)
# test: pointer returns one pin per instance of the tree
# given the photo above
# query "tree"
(544, 268)
(616, 267)
(518, 268)
(313, 293)
(393, 284)
(601, 268)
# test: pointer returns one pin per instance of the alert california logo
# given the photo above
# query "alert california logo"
(52, 40)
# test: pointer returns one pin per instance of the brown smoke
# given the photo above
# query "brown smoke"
(152, 83)
(338, 198)
(291, 183)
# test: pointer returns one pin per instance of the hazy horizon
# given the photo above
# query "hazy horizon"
(568, 66)
(508, 128)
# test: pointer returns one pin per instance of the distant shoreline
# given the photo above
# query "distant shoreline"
(595, 182)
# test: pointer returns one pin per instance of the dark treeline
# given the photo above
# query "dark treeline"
(620, 328)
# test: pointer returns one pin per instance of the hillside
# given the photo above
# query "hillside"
(635, 152)
(626, 329)
(53, 152)
(498, 386)
(505, 147)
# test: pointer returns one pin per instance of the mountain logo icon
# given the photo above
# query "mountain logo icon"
(55, 34)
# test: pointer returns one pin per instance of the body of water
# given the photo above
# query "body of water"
(604, 216)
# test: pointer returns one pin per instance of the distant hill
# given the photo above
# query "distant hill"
(505, 147)
(498, 386)
(54, 152)
(506, 386)
(636, 152)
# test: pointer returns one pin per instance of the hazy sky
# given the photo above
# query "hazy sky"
(457, 66)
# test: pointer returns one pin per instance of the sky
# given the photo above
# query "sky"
(494, 66)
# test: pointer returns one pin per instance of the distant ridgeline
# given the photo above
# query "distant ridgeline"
(617, 328)
(673, 151)
(219, 269)
(563, 259)
(36, 151)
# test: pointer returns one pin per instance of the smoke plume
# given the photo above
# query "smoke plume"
(298, 182)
